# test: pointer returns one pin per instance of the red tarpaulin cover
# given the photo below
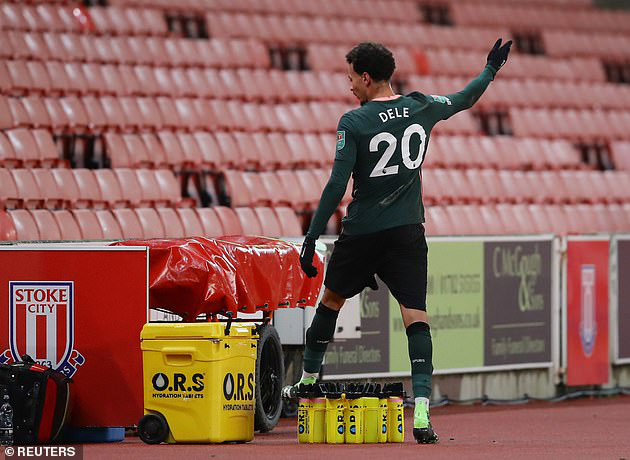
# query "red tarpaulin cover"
(191, 276)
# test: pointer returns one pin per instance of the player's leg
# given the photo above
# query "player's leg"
(420, 347)
(346, 275)
(404, 271)
(320, 333)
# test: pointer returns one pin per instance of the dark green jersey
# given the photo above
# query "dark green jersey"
(383, 144)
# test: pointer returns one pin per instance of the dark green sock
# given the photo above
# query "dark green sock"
(421, 356)
(317, 337)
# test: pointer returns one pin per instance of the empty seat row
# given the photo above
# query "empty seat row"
(466, 63)
(131, 114)
(500, 152)
(469, 64)
(398, 10)
(84, 188)
(38, 17)
(127, 21)
(158, 51)
(578, 125)
(506, 92)
(442, 186)
(28, 148)
(88, 224)
(219, 150)
(512, 219)
(299, 189)
(538, 17)
(291, 28)
(19, 77)
(574, 43)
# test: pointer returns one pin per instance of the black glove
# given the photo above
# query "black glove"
(306, 257)
(498, 54)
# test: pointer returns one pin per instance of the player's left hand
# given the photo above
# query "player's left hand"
(306, 257)
(498, 55)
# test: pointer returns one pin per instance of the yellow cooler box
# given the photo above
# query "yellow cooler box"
(199, 382)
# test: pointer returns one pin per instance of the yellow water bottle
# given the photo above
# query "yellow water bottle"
(335, 418)
(382, 417)
(395, 414)
(304, 425)
(371, 421)
(318, 419)
(354, 419)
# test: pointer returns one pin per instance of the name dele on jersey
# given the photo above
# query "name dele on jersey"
(391, 114)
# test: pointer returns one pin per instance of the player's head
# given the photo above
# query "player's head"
(369, 64)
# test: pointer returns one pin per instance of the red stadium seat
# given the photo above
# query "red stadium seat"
(116, 149)
(236, 188)
(438, 221)
(173, 227)
(131, 190)
(190, 221)
(210, 222)
(151, 195)
(68, 226)
(274, 189)
(46, 148)
(88, 223)
(310, 186)
(289, 222)
(211, 154)
(24, 146)
(129, 223)
(257, 192)
(170, 188)
(40, 79)
(110, 189)
(53, 197)
(150, 221)
(230, 222)
(491, 219)
(6, 119)
(89, 191)
(9, 197)
(67, 185)
(21, 83)
(27, 190)
(249, 221)
(113, 113)
(97, 120)
(25, 226)
(139, 156)
(18, 113)
(172, 148)
(291, 185)
(46, 225)
(8, 158)
(190, 148)
(35, 112)
(7, 228)
(462, 224)
(269, 223)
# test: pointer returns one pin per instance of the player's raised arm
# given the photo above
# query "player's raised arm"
(334, 191)
(449, 105)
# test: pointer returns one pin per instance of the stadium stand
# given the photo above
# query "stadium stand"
(115, 122)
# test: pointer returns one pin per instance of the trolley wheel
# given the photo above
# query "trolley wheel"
(269, 380)
(153, 429)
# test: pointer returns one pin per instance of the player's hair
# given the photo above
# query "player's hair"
(372, 58)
